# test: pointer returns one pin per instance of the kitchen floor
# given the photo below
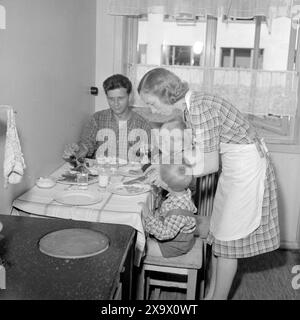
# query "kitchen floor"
(265, 277)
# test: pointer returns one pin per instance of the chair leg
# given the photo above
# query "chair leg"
(191, 284)
(204, 271)
(141, 284)
(156, 293)
(147, 288)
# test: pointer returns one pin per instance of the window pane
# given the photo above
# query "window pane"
(142, 53)
(225, 58)
(242, 58)
(172, 42)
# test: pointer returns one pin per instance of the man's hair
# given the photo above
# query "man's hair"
(117, 81)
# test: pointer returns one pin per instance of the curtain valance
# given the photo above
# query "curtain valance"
(191, 8)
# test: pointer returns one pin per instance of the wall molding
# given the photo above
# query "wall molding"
(290, 245)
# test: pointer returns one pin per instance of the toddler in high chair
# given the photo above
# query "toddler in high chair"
(172, 226)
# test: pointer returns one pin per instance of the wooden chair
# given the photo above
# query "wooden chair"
(163, 272)
(185, 268)
(206, 187)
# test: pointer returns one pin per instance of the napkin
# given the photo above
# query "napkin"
(14, 164)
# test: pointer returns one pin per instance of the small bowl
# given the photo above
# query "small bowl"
(45, 182)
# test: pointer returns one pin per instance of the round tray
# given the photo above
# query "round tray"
(73, 243)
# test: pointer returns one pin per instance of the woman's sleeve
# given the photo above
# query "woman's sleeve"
(205, 124)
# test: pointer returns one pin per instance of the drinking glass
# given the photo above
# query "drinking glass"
(82, 180)
(103, 179)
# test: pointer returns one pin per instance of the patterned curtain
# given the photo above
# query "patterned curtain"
(257, 92)
(192, 8)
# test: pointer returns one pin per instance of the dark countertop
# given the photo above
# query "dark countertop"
(32, 275)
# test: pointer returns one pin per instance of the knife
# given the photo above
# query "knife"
(133, 181)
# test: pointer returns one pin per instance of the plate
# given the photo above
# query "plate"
(111, 161)
(73, 243)
(70, 178)
(129, 190)
(131, 171)
(78, 198)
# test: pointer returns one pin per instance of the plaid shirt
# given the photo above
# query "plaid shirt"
(214, 120)
(166, 227)
(106, 120)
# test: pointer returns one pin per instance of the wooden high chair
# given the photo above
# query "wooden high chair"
(183, 271)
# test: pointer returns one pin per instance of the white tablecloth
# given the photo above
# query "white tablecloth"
(112, 209)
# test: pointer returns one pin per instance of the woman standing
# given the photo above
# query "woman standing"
(244, 220)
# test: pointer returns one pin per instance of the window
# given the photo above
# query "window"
(180, 55)
(251, 62)
(142, 54)
(239, 58)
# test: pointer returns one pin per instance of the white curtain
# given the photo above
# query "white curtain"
(257, 92)
(231, 8)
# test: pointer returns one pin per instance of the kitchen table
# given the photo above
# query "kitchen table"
(33, 275)
(113, 208)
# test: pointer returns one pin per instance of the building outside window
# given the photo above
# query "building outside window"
(239, 58)
(180, 55)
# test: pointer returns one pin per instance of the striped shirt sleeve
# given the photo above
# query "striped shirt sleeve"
(88, 136)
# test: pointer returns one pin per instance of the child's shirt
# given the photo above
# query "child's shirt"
(165, 227)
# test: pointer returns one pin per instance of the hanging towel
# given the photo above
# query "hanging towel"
(14, 164)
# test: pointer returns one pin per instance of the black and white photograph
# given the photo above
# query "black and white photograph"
(149, 153)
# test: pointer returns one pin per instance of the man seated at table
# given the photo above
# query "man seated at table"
(117, 132)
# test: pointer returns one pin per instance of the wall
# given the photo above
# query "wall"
(287, 166)
(110, 45)
(47, 63)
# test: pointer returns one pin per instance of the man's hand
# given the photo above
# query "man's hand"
(70, 150)
(75, 150)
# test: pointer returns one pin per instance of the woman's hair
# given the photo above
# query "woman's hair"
(117, 81)
(164, 84)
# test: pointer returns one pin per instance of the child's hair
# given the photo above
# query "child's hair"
(164, 84)
(180, 139)
(117, 81)
(176, 176)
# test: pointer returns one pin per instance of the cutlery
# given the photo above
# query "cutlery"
(135, 180)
